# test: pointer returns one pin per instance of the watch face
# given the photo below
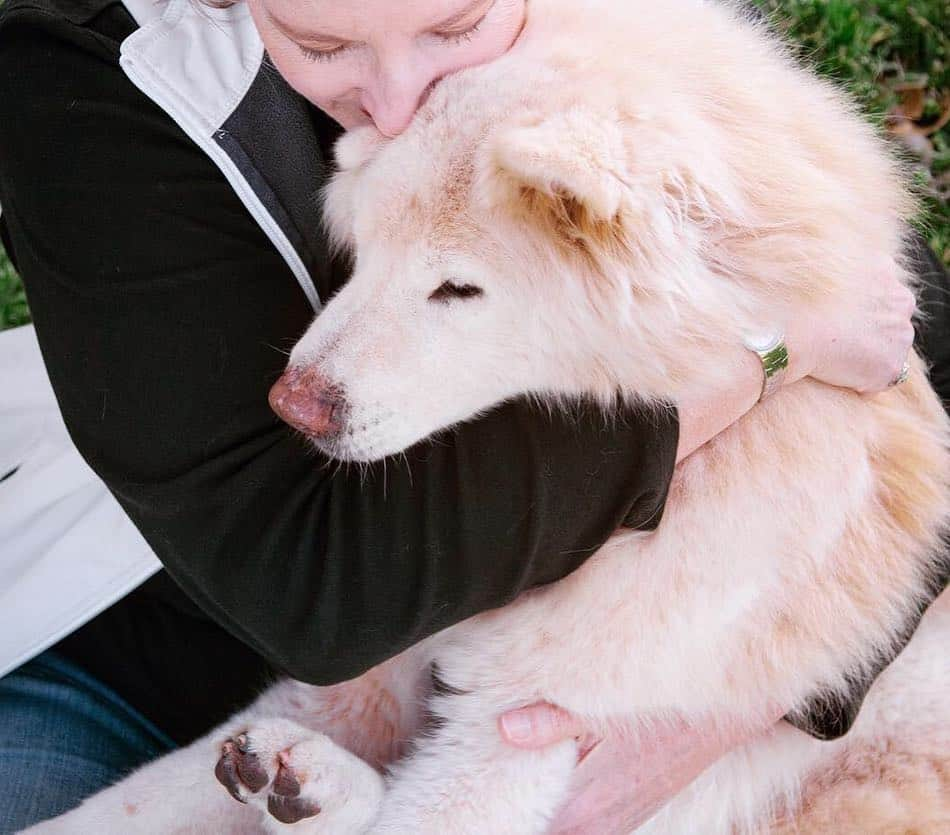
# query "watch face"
(762, 342)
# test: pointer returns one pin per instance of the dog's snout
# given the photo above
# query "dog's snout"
(308, 402)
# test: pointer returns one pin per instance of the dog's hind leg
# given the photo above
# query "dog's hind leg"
(463, 780)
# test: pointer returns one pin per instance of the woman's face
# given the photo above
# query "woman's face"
(365, 61)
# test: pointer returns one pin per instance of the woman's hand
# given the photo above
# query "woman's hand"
(623, 780)
(863, 351)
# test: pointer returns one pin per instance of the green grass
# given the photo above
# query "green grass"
(13, 309)
(870, 46)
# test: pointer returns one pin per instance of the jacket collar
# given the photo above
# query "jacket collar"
(207, 69)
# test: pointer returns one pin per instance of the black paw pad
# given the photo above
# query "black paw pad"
(291, 809)
(226, 772)
(239, 768)
(286, 783)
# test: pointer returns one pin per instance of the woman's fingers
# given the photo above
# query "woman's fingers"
(629, 776)
(626, 780)
(538, 725)
(864, 347)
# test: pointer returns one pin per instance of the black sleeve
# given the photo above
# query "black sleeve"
(163, 313)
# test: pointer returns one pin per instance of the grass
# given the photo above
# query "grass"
(894, 56)
(875, 47)
(13, 308)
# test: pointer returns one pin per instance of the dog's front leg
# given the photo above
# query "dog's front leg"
(292, 723)
(176, 794)
(257, 772)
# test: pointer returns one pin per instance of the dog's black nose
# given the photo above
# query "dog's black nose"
(308, 402)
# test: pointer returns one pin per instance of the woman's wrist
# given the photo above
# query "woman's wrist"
(802, 350)
(711, 408)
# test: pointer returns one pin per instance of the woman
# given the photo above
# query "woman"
(162, 217)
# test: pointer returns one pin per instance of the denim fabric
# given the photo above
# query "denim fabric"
(64, 736)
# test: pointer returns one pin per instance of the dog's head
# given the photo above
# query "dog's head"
(531, 233)
(501, 246)
(473, 281)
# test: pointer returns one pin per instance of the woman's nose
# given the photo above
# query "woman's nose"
(395, 97)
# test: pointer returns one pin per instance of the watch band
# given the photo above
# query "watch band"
(773, 353)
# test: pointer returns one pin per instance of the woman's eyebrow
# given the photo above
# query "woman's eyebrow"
(462, 14)
(301, 35)
(309, 36)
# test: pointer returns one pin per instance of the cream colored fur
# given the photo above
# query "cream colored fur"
(635, 187)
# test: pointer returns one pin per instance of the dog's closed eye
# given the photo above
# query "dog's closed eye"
(448, 291)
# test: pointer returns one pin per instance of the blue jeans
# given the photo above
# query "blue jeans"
(64, 736)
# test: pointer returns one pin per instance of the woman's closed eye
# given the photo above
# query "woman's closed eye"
(450, 291)
(463, 34)
(312, 54)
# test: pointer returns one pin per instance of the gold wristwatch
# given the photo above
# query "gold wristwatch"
(771, 349)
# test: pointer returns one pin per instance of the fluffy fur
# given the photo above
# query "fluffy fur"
(634, 187)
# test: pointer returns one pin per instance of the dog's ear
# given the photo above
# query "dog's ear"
(353, 150)
(567, 170)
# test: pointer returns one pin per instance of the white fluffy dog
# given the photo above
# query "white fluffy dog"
(611, 207)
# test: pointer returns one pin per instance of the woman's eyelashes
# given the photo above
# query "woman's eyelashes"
(324, 54)
(465, 35)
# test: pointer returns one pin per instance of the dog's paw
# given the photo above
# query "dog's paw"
(300, 777)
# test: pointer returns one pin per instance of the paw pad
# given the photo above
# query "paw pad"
(239, 768)
(291, 809)
(240, 771)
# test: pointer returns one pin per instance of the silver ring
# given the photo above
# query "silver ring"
(903, 376)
